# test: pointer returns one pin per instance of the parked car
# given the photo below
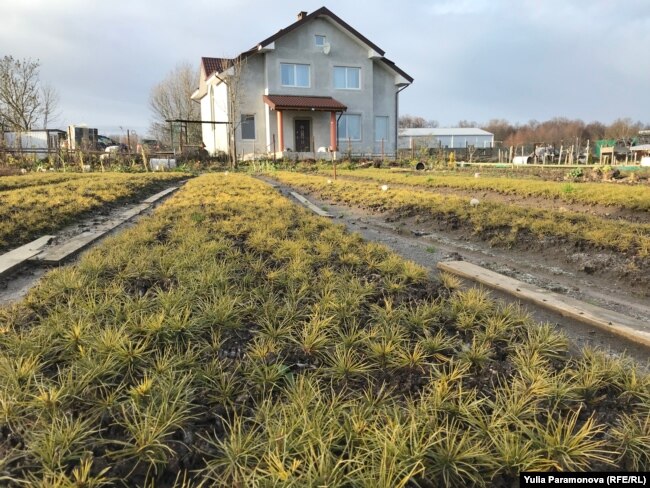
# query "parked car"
(117, 148)
(103, 142)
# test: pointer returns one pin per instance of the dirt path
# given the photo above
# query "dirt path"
(430, 248)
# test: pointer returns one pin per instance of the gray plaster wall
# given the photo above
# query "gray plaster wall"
(249, 101)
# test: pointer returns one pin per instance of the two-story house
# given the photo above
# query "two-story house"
(314, 87)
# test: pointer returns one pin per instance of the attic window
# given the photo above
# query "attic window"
(320, 40)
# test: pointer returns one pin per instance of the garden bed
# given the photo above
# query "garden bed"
(623, 247)
(35, 204)
(234, 339)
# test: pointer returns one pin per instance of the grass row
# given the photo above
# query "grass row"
(633, 197)
(503, 224)
(29, 211)
(235, 340)
(37, 179)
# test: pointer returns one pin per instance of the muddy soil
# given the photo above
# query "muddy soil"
(15, 286)
(425, 246)
(602, 211)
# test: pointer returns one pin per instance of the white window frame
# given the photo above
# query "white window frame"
(320, 36)
(295, 75)
(242, 127)
(387, 119)
(346, 87)
(344, 137)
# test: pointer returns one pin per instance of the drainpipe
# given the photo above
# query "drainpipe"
(397, 116)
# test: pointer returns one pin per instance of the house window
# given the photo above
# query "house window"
(381, 128)
(295, 75)
(320, 40)
(349, 127)
(247, 126)
(347, 78)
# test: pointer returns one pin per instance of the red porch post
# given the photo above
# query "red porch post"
(332, 131)
(280, 131)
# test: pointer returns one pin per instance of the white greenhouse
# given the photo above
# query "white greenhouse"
(447, 138)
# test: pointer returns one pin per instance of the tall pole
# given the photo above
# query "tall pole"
(171, 134)
(332, 131)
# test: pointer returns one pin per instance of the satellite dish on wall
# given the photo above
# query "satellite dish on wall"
(326, 48)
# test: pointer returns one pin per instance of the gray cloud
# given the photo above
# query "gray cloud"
(471, 59)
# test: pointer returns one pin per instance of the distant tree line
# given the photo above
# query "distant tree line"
(555, 131)
(414, 122)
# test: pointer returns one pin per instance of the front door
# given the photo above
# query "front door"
(303, 135)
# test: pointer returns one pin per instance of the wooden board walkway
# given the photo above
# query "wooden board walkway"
(159, 195)
(66, 250)
(310, 205)
(17, 257)
(607, 320)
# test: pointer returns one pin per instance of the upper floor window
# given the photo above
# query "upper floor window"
(346, 77)
(295, 75)
(320, 40)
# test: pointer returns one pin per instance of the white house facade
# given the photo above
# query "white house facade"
(317, 86)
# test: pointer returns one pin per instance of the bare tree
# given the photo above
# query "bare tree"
(24, 103)
(501, 128)
(623, 129)
(170, 99)
(416, 122)
(466, 123)
(50, 99)
(233, 81)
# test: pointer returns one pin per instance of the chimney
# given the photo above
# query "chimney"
(302, 15)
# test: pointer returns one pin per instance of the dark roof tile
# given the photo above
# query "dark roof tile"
(295, 102)
(215, 65)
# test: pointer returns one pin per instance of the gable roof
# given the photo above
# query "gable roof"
(323, 11)
(316, 13)
(215, 65)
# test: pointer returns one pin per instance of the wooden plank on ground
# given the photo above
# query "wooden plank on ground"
(17, 257)
(310, 205)
(132, 212)
(61, 252)
(607, 320)
(158, 196)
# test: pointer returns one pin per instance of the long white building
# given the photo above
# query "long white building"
(448, 138)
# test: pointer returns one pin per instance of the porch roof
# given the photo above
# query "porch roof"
(296, 102)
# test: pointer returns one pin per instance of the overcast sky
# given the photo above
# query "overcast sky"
(471, 59)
